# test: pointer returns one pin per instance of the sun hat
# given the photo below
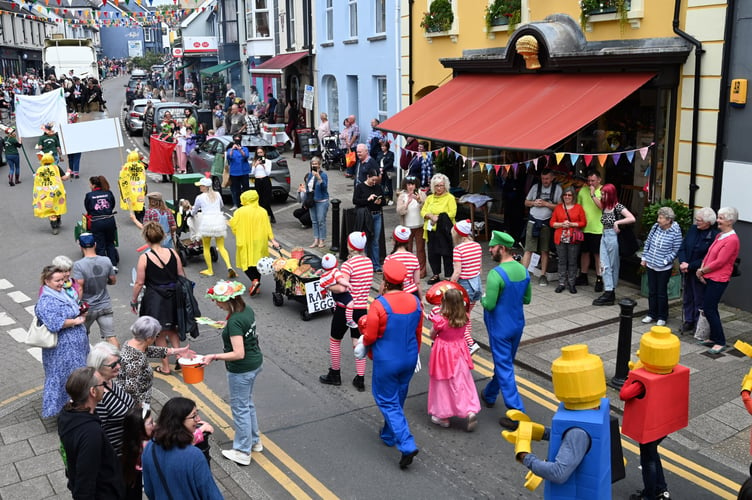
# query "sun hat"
(464, 227)
(401, 234)
(225, 290)
(328, 261)
(501, 238)
(394, 271)
(357, 240)
(86, 240)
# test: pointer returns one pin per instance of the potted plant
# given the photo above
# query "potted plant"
(503, 12)
(591, 7)
(439, 17)
(684, 217)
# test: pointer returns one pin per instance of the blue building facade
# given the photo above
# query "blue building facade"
(119, 41)
(357, 60)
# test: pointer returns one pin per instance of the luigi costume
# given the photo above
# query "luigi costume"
(507, 289)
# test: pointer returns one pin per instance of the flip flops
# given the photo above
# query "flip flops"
(717, 350)
(159, 370)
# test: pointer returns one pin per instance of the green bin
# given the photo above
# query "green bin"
(184, 186)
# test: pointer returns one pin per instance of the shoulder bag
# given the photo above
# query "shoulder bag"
(226, 176)
(39, 335)
(574, 234)
(308, 201)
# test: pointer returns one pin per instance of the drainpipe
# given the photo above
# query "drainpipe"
(699, 51)
(309, 42)
(720, 146)
(410, 52)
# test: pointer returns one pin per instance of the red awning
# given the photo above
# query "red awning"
(276, 64)
(531, 111)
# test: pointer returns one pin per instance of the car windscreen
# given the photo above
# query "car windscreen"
(177, 113)
(139, 109)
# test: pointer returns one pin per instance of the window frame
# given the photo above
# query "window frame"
(352, 16)
(252, 11)
(381, 81)
(329, 20)
(379, 13)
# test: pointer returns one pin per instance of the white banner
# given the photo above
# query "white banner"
(33, 111)
(199, 44)
(91, 136)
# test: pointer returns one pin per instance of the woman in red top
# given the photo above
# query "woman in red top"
(715, 273)
(567, 219)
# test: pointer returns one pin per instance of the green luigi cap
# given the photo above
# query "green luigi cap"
(501, 238)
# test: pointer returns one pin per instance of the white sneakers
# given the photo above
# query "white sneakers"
(660, 322)
(258, 447)
(237, 456)
(441, 422)
(474, 348)
(647, 319)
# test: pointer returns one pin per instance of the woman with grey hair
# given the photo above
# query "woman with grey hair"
(438, 214)
(116, 403)
(567, 219)
(691, 252)
(70, 286)
(715, 272)
(661, 247)
(135, 374)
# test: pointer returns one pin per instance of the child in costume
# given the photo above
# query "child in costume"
(48, 198)
(335, 283)
(451, 389)
(467, 258)
(132, 184)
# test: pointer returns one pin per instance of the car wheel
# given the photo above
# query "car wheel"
(305, 315)
(214, 254)
(280, 197)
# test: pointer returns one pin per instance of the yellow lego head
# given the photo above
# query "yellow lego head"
(133, 156)
(578, 377)
(47, 159)
(659, 350)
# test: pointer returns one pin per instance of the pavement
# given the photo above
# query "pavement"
(30, 466)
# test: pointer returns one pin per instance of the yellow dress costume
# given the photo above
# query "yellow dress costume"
(132, 182)
(252, 229)
(48, 197)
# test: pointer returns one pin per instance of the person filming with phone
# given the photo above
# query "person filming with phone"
(237, 158)
(316, 199)
(368, 199)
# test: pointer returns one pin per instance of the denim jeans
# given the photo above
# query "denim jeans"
(243, 409)
(239, 184)
(658, 293)
(74, 161)
(14, 162)
(378, 220)
(610, 259)
(318, 219)
(652, 469)
(713, 293)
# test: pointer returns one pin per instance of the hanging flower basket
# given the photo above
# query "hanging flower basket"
(503, 13)
(439, 17)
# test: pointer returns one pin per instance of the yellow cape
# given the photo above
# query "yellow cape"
(132, 182)
(252, 229)
(48, 197)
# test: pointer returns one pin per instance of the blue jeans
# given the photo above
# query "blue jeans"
(74, 160)
(318, 219)
(378, 220)
(243, 409)
(658, 293)
(239, 184)
(14, 162)
(610, 259)
(713, 293)
(652, 469)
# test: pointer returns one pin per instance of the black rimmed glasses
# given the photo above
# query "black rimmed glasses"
(113, 364)
(195, 416)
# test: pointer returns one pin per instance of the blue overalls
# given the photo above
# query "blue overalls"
(505, 324)
(394, 357)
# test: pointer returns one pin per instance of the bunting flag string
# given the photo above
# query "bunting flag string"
(532, 164)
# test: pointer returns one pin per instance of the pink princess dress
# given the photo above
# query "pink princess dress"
(451, 388)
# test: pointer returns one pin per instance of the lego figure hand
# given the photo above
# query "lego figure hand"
(747, 382)
(526, 432)
(532, 481)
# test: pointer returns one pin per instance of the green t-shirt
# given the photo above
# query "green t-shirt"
(495, 284)
(49, 143)
(11, 146)
(592, 212)
(243, 323)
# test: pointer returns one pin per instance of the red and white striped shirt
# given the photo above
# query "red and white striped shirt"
(410, 261)
(330, 278)
(470, 254)
(359, 272)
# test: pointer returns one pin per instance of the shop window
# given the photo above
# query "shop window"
(380, 16)
(331, 106)
(257, 19)
(382, 98)
(329, 20)
(352, 9)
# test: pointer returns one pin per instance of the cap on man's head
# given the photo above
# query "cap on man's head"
(357, 240)
(394, 271)
(501, 238)
(86, 240)
(206, 182)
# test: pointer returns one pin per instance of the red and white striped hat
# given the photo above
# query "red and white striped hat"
(357, 240)
(464, 227)
(328, 261)
(401, 234)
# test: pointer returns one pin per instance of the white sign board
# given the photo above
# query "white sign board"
(308, 97)
(199, 44)
(135, 48)
(737, 177)
(91, 136)
(177, 52)
(315, 299)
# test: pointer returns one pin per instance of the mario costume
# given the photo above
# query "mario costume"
(507, 289)
(579, 454)
(393, 331)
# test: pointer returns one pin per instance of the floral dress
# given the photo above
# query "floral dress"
(135, 372)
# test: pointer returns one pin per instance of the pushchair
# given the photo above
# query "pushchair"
(189, 245)
(331, 154)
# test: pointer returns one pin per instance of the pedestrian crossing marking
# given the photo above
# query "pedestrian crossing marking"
(18, 334)
(5, 284)
(19, 297)
(6, 320)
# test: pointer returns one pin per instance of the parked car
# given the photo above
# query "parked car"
(134, 116)
(153, 116)
(200, 160)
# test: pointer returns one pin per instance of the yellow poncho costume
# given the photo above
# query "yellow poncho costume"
(132, 182)
(48, 197)
(252, 229)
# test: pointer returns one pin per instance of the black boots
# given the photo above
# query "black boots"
(598, 284)
(10, 181)
(331, 378)
(607, 299)
(359, 383)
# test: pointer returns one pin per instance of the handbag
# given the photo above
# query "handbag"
(39, 335)
(309, 202)
(702, 331)
(350, 159)
(574, 234)
(226, 176)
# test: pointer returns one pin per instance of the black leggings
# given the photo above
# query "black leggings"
(434, 260)
(252, 273)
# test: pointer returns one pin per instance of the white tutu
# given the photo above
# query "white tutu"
(212, 224)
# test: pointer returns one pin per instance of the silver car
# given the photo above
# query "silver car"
(201, 159)
(134, 116)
